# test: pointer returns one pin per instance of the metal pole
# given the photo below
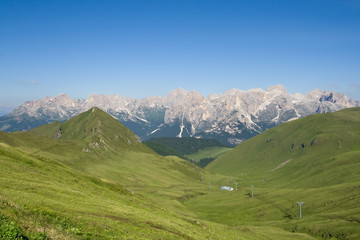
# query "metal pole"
(252, 190)
(300, 204)
(236, 185)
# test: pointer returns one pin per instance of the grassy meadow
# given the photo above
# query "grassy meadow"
(313, 160)
(100, 182)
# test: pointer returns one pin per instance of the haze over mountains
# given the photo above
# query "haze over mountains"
(4, 110)
(231, 117)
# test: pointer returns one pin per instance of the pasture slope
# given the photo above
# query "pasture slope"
(91, 178)
(315, 160)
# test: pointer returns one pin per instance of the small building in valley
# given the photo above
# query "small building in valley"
(226, 188)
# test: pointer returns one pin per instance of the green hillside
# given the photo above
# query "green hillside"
(97, 144)
(43, 199)
(96, 128)
(315, 160)
(319, 150)
(66, 186)
(43, 196)
(86, 183)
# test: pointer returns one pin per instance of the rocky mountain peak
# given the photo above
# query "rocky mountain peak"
(177, 93)
(279, 89)
(64, 100)
(315, 94)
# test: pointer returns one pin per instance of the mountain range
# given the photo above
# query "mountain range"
(231, 117)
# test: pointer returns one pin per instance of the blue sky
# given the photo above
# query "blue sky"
(145, 48)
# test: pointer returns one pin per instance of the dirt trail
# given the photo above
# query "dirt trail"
(280, 165)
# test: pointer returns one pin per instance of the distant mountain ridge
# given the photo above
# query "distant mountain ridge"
(231, 117)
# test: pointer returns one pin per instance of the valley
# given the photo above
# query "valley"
(179, 120)
(90, 177)
(199, 151)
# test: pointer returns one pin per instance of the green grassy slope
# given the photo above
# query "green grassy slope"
(71, 188)
(97, 144)
(42, 197)
(327, 213)
(315, 160)
(96, 128)
(319, 150)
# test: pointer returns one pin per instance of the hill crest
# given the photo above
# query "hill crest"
(96, 128)
(318, 150)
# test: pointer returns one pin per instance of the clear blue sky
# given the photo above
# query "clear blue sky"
(145, 48)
